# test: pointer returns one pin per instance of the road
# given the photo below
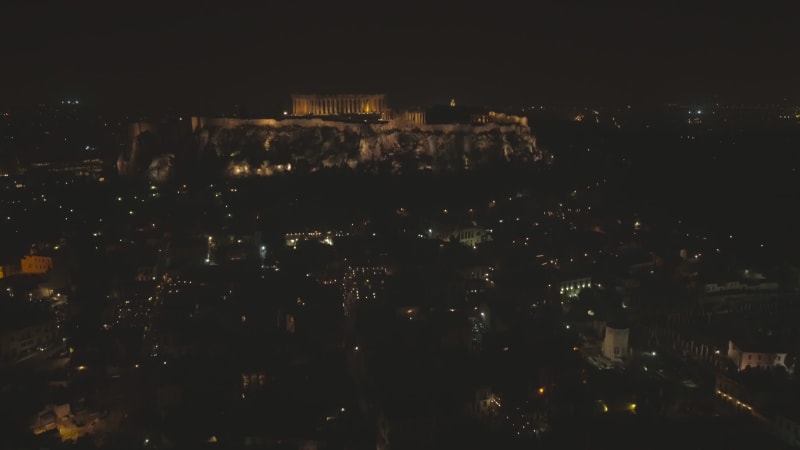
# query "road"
(33, 368)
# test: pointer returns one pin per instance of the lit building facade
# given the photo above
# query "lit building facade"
(749, 356)
(737, 286)
(36, 264)
(615, 343)
(571, 288)
(416, 117)
(472, 236)
(362, 284)
(339, 104)
(323, 237)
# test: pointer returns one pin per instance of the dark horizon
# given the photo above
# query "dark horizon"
(154, 57)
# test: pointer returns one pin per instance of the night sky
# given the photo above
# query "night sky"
(191, 56)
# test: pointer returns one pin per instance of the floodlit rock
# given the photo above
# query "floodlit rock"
(264, 147)
(334, 144)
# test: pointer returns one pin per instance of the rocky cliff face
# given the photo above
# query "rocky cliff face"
(264, 147)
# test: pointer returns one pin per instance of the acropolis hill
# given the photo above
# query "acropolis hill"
(345, 131)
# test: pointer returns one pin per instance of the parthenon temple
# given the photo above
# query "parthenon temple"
(341, 104)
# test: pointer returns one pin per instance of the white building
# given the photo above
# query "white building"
(738, 286)
(748, 355)
(472, 236)
(615, 343)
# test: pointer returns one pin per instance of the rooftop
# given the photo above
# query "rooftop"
(758, 343)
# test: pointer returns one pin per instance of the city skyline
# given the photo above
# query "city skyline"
(378, 226)
(152, 57)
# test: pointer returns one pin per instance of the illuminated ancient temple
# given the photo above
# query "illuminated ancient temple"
(339, 104)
